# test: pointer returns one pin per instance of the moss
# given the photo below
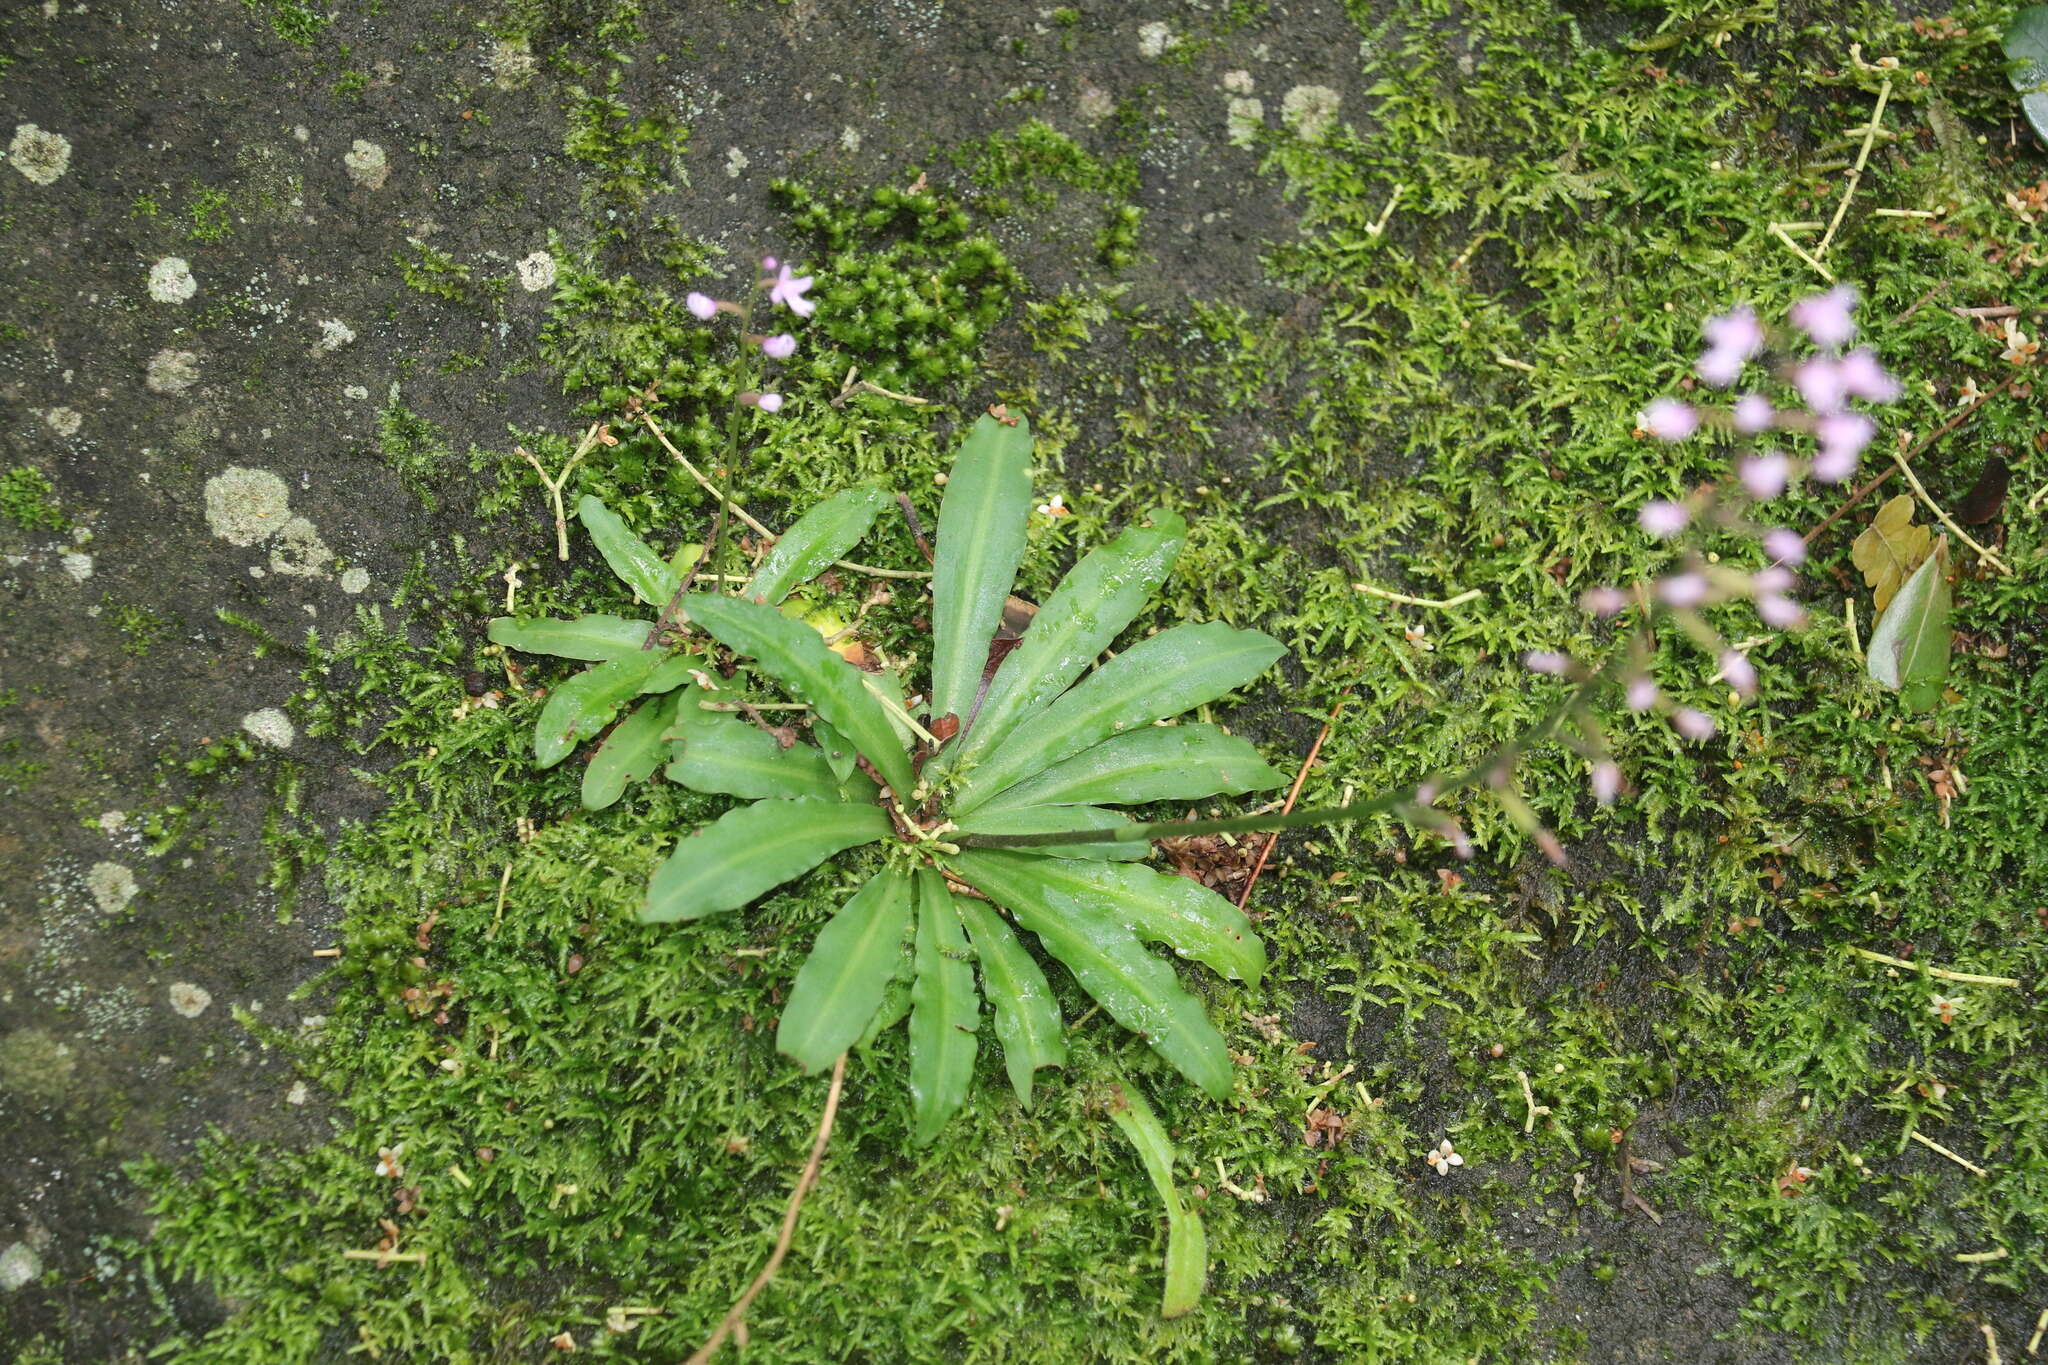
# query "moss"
(26, 499)
(292, 20)
(1683, 994)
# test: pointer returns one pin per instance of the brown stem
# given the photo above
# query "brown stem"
(736, 1316)
(1293, 794)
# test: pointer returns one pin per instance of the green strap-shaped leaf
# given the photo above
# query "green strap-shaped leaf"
(1043, 819)
(1027, 1017)
(629, 754)
(591, 637)
(1096, 600)
(673, 671)
(981, 540)
(1909, 649)
(943, 1011)
(796, 656)
(820, 536)
(1155, 763)
(752, 849)
(1160, 907)
(581, 706)
(632, 559)
(895, 1005)
(840, 986)
(1158, 677)
(1084, 931)
(1187, 1252)
(2026, 48)
(728, 755)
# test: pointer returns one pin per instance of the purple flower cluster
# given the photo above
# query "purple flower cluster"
(1817, 389)
(785, 290)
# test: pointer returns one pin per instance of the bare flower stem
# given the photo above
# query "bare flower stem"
(1493, 763)
(736, 1317)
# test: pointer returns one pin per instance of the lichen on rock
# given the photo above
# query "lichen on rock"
(244, 506)
(41, 156)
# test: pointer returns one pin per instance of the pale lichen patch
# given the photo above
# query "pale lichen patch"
(170, 280)
(367, 165)
(536, 272)
(354, 580)
(41, 156)
(298, 551)
(270, 726)
(171, 372)
(64, 421)
(1310, 111)
(78, 564)
(244, 506)
(189, 1001)
(112, 886)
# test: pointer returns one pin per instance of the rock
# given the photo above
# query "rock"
(367, 165)
(244, 506)
(34, 1063)
(41, 156)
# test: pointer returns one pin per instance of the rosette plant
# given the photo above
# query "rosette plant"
(1034, 743)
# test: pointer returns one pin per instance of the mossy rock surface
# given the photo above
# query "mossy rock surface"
(299, 281)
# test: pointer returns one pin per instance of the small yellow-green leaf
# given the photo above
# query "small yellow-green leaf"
(1889, 549)
(592, 637)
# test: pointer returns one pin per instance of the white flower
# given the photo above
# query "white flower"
(1055, 506)
(1441, 1158)
(388, 1164)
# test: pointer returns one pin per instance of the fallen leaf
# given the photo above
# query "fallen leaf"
(1909, 649)
(1890, 549)
(1987, 496)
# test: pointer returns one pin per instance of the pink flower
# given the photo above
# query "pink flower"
(1819, 382)
(780, 347)
(1604, 602)
(1682, 590)
(1828, 318)
(1670, 420)
(1740, 673)
(1753, 413)
(1546, 661)
(702, 306)
(1460, 845)
(1641, 694)
(1842, 435)
(1864, 378)
(1606, 782)
(1785, 547)
(1771, 578)
(1662, 519)
(769, 402)
(1732, 338)
(1779, 613)
(1763, 476)
(788, 290)
(1694, 725)
(1832, 466)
